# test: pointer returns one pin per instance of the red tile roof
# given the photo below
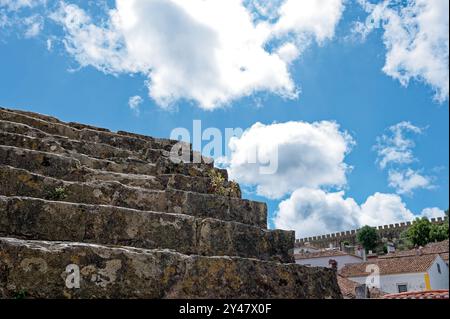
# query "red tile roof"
(441, 248)
(399, 265)
(323, 253)
(347, 286)
(432, 294)
(348, 289)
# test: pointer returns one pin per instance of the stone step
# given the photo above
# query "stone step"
(38, 219)
(83, 152)
(86, 133)
(28, 137)
(119, 165)
(42, 269)
(96, 150)
(76, 149)
(74, 165)
(21, 182)
(165, 144)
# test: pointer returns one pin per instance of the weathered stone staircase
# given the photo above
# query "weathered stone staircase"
(132, 222)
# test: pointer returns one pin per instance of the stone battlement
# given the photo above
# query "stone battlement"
(388, 231)
(114, 209)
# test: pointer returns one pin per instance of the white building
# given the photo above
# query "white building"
(322, 258)
(401, 274)
(306, 248)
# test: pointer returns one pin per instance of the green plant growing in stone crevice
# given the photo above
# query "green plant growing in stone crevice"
(22, 294)
(234, 188)
(220, 186)
(57, 194)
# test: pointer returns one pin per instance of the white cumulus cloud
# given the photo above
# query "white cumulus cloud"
(416, 38)
(207, 51)
(305, 155)
(382, 209)
(318, 18)
(312, 212)
(98, 46)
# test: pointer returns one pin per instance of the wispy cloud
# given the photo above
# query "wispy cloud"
(408, 180)
(34, 25)
(416, 38)
(134, 103)
(395, 147)
(14, 14)
(16, 5)
(395, 150)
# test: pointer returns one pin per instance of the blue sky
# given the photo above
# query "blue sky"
(340, 77)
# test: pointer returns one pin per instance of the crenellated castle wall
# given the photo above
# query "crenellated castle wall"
(391, 231)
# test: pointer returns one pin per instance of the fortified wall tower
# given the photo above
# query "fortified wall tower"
(114, 210)
(390, 232)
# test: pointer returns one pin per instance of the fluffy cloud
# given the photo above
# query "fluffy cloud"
(395, 147)
(210, 52)
(312, 212)
(416, 38)
(98, 46)
(382, 209)
(318, 18)
(406, 181)
(303, 155)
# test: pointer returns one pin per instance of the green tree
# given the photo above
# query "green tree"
(446, 218)
(419, 232)
(368, 237)
(439, 232)
(422, 231)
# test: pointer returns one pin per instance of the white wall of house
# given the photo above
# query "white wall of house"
(414, 281)
(389, 283)
(439, 280)
(323, 261)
